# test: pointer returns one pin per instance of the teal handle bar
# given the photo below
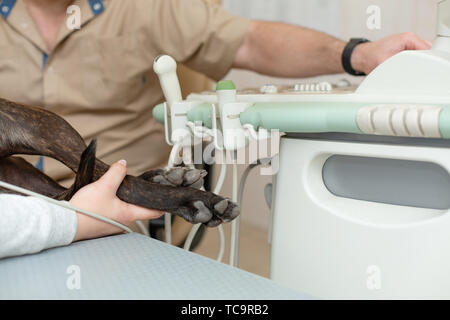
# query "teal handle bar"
(300, 117)
(310, 117)
(158, 112)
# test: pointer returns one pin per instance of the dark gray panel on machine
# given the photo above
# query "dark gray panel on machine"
(391, 181)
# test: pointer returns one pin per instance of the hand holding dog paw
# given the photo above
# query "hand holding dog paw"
(100, 197)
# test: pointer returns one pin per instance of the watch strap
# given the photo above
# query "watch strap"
(347, 56)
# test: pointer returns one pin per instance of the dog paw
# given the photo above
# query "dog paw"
(221, 210)
(176, 177)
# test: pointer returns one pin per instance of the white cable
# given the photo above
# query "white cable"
(217, 189)
(194, 229)
(221, 180)
(243, 181)
(200, 132)
(235, 223)
(173, 159)
(63, 204)
(207, 134)
(251, 132)
(239, 202)
(168, 227)
(143, 229)
(222, 243)
(191, 235)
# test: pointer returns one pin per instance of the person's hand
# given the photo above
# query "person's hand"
(367, 56)
(100, 198)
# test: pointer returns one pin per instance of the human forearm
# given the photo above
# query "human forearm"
(283, 50)
(29, 225)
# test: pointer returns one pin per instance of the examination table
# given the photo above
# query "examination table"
(130, 266)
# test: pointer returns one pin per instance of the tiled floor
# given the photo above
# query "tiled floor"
(254, 252)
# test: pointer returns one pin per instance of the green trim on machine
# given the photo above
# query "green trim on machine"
(298, 117)
(291, 116)
(304, 116)
(225, 85)
(158, 112)
(444, 122)
(201, 115)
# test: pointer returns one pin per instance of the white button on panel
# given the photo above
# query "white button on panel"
(313, 87)
(5, 9)
(269, 89)
(343, 83)
(325, 86)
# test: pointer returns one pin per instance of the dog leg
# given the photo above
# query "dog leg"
(31, 130)
(17, 171)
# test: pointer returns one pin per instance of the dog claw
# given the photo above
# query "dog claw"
(213, 223)
(221, 206)
(198, 184)
(235, 212)
(212, 215)
(176, 177)
(161, 180)
(192, 176)
(203, 214)
(211, 211)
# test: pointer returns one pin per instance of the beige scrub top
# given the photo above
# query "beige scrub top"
(100, 77)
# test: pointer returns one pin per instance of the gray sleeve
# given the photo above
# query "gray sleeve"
(29, 225)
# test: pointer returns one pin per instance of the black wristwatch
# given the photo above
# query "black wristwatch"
(347, 56)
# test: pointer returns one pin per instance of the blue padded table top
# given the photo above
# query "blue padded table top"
(130, 266)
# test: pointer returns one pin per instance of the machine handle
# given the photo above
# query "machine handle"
(166, 69)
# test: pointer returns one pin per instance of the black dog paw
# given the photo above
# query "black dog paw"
(176, 177)
(223, 210)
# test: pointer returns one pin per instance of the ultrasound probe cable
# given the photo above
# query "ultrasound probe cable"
(207, 135)
(194, 229)
(64, 204)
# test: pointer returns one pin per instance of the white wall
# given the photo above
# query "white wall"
(343, 18)
(340, 18)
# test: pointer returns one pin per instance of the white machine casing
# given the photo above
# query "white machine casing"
(340, 248)
(336, 247)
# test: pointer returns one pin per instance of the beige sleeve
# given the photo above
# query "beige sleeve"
(204, 37)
